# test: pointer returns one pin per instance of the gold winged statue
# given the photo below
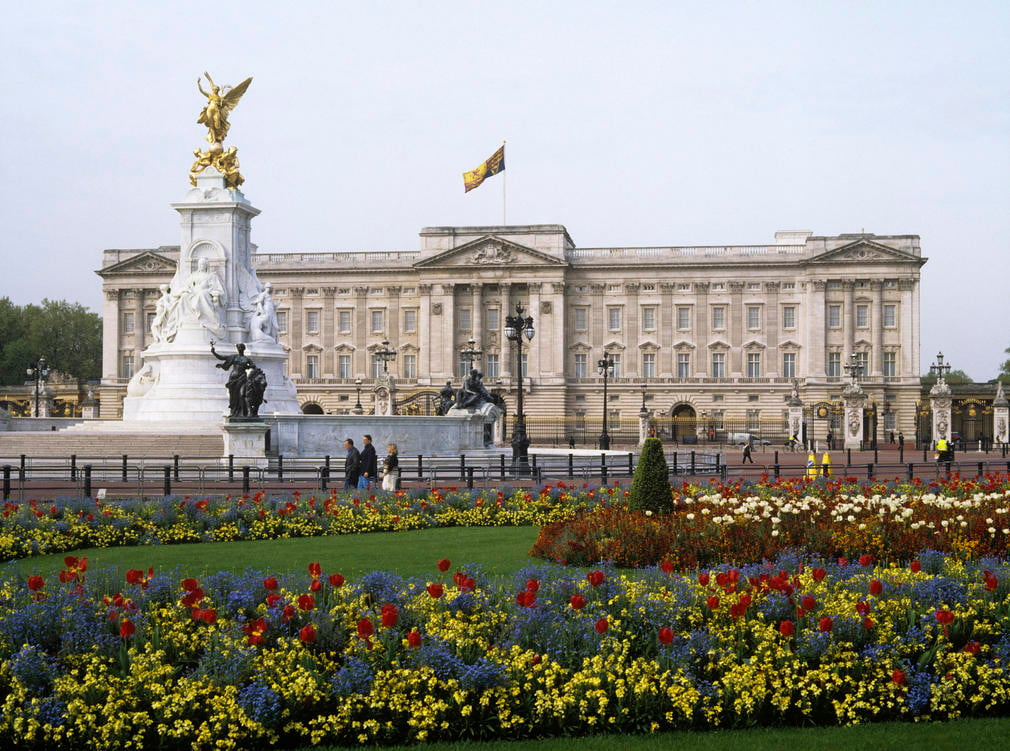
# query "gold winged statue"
(220, 101)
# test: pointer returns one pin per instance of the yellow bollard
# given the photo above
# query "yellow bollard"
(811, 465)
(826, 464)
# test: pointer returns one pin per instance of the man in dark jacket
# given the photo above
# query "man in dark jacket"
(369, 461)
(352, 465)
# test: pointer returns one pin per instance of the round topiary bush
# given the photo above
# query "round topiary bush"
(650, 489)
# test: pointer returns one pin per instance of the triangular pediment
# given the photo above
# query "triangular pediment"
(147, 262)
(490, 251)
(863, 251)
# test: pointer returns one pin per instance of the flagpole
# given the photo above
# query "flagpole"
(504, 192)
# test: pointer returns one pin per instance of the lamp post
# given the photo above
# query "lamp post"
(385, 354)
(940, 369)
(357, 407)
(39, 371)
(471, 352)
(515, 328)
(605, 367)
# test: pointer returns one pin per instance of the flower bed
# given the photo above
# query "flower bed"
(735, 523)
(252, 660)
(37, 528)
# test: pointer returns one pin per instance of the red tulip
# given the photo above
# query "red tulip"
(703, 578)
(843, 561)
(819, 574)
(808, 602)
(667, 567)
(578, 602)
(787, 628)
(712, 602)
(337, 580)
(533, 585)
(916, 567)
(876, 587)
(436, 590)
(365, 628)
(898, 677)
(209, 616)
(526, 599)
(972, 647)
(306, 602)
(315, 570)
(601, 626)
(467, 584)
(273, 599)
(868, 624)
(596, 578)
(307, 634)
(390, 615)
(444, 564)
(288, 613)
(35, 583)
(944, 616)
(862, 607)
(665, 635)
(414, 639)
(190, 584)
(127, 629)
(255, 630)
(825, 624)
(315, 585)
(866, 559)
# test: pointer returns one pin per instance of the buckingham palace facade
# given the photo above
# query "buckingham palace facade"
(711, 334)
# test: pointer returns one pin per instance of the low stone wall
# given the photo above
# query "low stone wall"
(36, 424)
(319, 435)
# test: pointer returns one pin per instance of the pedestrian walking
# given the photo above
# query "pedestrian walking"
(746, 454)
(352, 464)
(391, 468)
(369, 464)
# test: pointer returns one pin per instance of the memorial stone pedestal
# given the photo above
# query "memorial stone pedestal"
(246, 442)
(1000, 416)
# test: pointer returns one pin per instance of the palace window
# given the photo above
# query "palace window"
(683, 318)
(890, 316)
(581, 365)
(524, 365)
(312, 321)
(409, 321)
(862, 316)
(491, 319)
(683, 365)
(789, 317)
(282, 321)
(463, 320)
(378, 322)
(718, 364)
(581, 319)
(126, 365)
(344, 366)
(753, 364)
(648, 319)
(835, 316)
(344, 321)
(376, 366)
(410, 367)
(753, 317)
(718, 317)
(149, 321)
(491, 367)
(312, 366)
(834, 364)
(127, 323)
(890, 364)
(863, 361)
(788, 364)
(616, 359)
(788, 285)
(648, 365)
(614, 319)
(753, 420)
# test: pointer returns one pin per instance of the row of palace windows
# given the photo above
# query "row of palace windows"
(407, 366)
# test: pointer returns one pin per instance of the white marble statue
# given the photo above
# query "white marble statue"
(202, 298)
(166, 316)
(263, 316)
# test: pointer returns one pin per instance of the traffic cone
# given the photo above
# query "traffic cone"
(811, 465)
(826, 464)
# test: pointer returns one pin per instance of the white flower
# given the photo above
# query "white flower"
(648, 512)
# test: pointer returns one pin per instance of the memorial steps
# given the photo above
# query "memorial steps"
(161, 442)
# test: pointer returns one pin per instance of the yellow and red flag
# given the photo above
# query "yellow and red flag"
(494, 164)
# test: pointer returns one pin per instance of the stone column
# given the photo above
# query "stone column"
(505, 359)
(477, 317)
(361, 359)
(533, 370)
(139, 324)
(702, 335)
(447, 353)
(855, 401)
(772, 328)
(632, 366)
(297, 327)
(666, 366)
(1000, 416)
(737, 322)
(393, 323)
(848, 318)
(815, 332)
(110, 337)
(424, 337)
(558, 344)
(327, 368)
(643, 426)
(940, 401)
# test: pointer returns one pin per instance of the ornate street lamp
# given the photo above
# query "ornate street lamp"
(643, 387)
(39, 371)
(358, 409)
(471, 352)
(385, 354)
(854, 369)
(605, 367)
(940, 369)
(515, 328)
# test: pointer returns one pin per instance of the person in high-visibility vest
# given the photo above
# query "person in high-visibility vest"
(811, 465)
(942, 449)
(826, 464)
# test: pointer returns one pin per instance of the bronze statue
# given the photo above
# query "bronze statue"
(238, 365)
(446, 399)
(252, 391)
(473, 393)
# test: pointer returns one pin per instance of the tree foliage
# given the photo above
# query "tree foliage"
(650, 488)
(67, 334)
(1004, 369)
(954, 376)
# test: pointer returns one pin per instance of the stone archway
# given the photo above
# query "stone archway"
(684, 422)
(311, 408)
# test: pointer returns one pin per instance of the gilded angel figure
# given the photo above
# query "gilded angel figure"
(219, 103)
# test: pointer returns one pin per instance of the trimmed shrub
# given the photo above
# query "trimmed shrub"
(650, 489)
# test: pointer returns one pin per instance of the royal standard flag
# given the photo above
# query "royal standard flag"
(494, 164)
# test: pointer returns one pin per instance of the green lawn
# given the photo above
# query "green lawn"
(959, 735)
(414, 553)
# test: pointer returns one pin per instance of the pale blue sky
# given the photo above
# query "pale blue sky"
(631, 123)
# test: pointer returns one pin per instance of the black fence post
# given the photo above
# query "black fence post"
(21, 470)
(848, 459)
(462, 467)
(7, 481)
(73, 467)
(324, 476)
(326, 463)
(571, 466)
(87, 480)
(420, 467)
(125, 459)
(901, 454)
(869, 471)
(166, 489)
(631, 464)
(534, 465)
(776, 469)
(245, 479)
(469, 478)
(501, 466)
(175, 467)
(980, 472)
(280, 467)
(674, 463)
(911, 471)
(603, 469)
(231, 467)
(693, 464)
(876, 457)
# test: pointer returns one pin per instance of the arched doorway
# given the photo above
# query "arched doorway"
(311, 408)
(684, 423)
